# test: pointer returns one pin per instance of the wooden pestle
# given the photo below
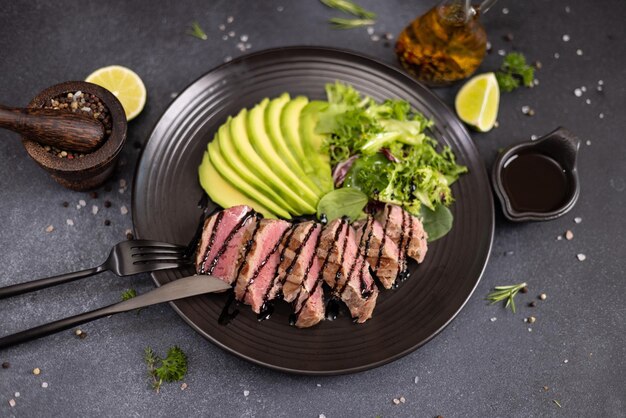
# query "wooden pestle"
(64, 130)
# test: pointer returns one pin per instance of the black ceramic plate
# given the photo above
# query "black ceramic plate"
(166, 194)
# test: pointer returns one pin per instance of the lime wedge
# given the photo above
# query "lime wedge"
(477, 102)
(125, 84)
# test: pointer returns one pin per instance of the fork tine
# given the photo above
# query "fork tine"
(145, 251)
(145, 243)
(159, 257)
(157, 265)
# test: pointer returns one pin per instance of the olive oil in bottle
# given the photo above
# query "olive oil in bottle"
(446, 44)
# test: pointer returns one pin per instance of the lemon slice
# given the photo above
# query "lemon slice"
(477, 101)
(125, 84)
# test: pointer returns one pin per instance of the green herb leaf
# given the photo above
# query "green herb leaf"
(197, 31)
(342, 202)
(505, 293)
(514, 72)
(170, 369)
(129, 294)
(349, 7)
(340, 23)
(437, 223)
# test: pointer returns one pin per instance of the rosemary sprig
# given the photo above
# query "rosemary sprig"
(507, 293)
(339, 23)
(349, 7)
(197, 31)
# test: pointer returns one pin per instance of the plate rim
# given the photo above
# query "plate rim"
(397, 71)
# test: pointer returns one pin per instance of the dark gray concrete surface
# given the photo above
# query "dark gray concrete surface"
(476, 367)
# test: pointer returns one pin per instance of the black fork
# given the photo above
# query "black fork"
(126, 258)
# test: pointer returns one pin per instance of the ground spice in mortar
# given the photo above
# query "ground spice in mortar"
(82, 103)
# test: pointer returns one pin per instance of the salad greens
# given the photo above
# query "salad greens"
(342, 202)
(396, 161)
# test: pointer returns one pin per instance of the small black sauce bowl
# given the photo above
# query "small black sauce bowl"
(562, 146)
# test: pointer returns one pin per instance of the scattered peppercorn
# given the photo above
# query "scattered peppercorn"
(531, 319)
(93, 195)
(538, 65)
(508, 37)
(6, 365)
(107, 203)
(532, 304)
(36, 371)
(543, 296)
(524, 289)
(107, 222)
(66, 204)
(129, 236)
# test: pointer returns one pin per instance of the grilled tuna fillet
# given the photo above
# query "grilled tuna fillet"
(406, 231)
(258, 269)
(297, 250)
(309, 308)
(381, 253)
(346, 271)
(222, 242)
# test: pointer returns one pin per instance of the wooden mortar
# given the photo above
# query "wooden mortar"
(94, 168)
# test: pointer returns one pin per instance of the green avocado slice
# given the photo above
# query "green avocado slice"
(222, 192)
(226, 172)
(232, 158)
(313, 145)
(273, 114)
(290, 130)
(242, 143)
(263, 146)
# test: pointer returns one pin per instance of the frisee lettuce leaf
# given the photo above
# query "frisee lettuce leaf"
(418, 176)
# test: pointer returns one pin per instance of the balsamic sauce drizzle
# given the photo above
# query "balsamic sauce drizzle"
(383, 240)
(246, 252)
(366, 291)
(355, 261)
(227, 315)
(281, 258)
(401, 254)
(340, 262)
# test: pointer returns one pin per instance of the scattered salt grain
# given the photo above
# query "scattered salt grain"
(11, 403)
(578, 219)
(579, 52)
(530, 329)
(82, 203)
(230, 19)
(581, 257)
(69, 222)
(601, 115)
(566, 38)
(569, 235)
(123, 210)
(588, 101)
(583, 89)
(494, 319)
(505, 11)
(94, 209)
(243, 38)
(231, 34)
(49, 228)
(246, 392)
(556, 55)
(543, 296)
(173, 95)
(578, 92)
(248, 45)
(525, 109)
(228, 58)
(402, 399)
(375, 38)
(123, 183)
(533, 137)
(44, 385)
(501, 52)
(566, 361)
(396, 401)
(222, 27)
(536, 82)
(600, 82)
(17, 394)
(588, 142)
(567, 9)
(370, 30)
(183, 386)
(559, 238)
(224, 37)
(319, 385)
(322, 416)
(280, 8)
(416, 380)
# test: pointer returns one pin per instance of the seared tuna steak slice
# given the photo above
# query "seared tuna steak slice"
(381, 252)
(406, 231)
(297, 250)
(309, 308)
(258, 269)
(346, 271)
(222, 242)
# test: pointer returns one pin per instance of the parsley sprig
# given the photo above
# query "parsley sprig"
(507, 293)
(172, 368)
(514, 72)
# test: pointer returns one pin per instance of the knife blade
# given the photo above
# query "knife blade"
(175, 290)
